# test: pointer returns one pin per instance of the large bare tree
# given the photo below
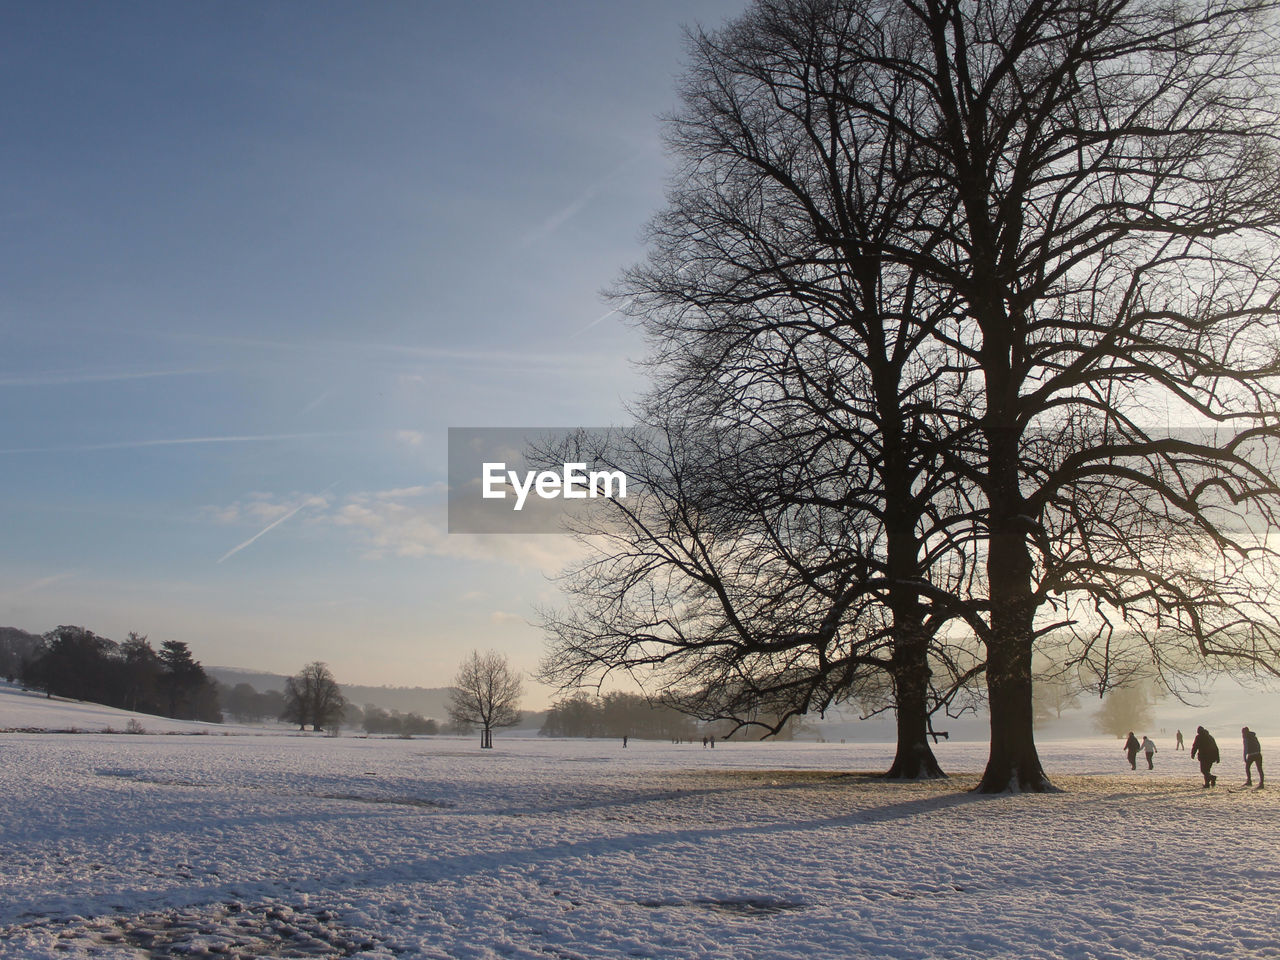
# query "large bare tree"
(1108, 211)
(1025, 252)
(779, 322)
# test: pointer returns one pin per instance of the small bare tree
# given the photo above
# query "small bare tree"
(486, 694)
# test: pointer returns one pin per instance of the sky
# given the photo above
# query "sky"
(258, 257)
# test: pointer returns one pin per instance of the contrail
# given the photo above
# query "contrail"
(45, 582)
(570, 210)
(602, 319)
(273, 524)
(317, 401)
(175, 442)
(557, 219)
(625, 305)
(70, 378)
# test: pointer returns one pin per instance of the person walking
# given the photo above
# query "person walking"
(1207, 747)
(1252, 755)
(1149, 749)
(1131, 748)
(1178, 743)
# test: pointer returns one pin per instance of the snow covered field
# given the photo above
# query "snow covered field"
(27, 710)
(275, 846)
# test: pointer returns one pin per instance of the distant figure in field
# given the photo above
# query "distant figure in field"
(1131, 748)
(1178, 744)
(713, 741)
(704, 741)
(624, 741)
(1207, 747)
(1149, 749)
(1252, 755)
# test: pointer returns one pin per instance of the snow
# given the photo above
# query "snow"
(28, 710)
(278, 846)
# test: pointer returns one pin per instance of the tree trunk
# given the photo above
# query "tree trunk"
(914, 759)
(1014, 763)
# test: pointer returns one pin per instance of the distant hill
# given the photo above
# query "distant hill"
(425, 701)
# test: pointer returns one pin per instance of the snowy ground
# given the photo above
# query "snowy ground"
(27, 710)
(162, 846)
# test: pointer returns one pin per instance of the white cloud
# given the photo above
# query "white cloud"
(401, 493)
(412, 522)
(401, 522)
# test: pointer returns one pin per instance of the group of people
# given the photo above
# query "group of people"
(1206, 748)
(1132, 748)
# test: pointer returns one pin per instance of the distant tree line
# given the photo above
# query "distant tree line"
(374, 719)
(245, 704)
(617, 715)
(16, 647)
(73, 662)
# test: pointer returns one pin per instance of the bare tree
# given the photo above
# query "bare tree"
(1027, 251)
(485, 694)
(1087, 194)
(779, 320)
(312, 696)
(1109, 214)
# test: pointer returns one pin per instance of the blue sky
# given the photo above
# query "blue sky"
(258, 257)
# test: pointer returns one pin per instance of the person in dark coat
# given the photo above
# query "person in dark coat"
(1252, 755)
(1131, 748)
(1207, 747)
